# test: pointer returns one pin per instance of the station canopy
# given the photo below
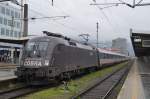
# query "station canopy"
(141, 43)
(7, 42)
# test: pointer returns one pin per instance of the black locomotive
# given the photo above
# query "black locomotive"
(55, 57)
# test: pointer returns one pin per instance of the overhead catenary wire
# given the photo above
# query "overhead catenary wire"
(62, 24)
(68, 27)
(100, 9)
(60, 9)
(121, 2)
(139, 2)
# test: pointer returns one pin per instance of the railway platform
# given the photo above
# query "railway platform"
(7, 71)
(137, 84)
(7, 74)
(7, 65)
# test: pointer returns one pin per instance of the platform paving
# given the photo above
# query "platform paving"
(133, 86)
(7, 64)
(144, 70)
(6, 74)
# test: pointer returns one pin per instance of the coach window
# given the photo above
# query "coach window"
(104, 55)
(101, 55)
(114, 56)
(109, 56)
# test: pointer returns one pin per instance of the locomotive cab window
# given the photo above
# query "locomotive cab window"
(42, 46)
(38, 48)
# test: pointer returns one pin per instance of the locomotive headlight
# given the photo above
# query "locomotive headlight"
(46, 63)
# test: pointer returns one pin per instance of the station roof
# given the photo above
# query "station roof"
(141, 43)
(21, 40)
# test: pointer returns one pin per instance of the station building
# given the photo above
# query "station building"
(11, 36)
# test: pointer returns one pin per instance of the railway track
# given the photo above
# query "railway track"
(14, 93)
(103, 88)
(23, 90)
(105, 84)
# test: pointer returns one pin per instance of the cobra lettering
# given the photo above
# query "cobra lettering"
(32, 63)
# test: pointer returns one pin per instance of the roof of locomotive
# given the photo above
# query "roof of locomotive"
(65, 41)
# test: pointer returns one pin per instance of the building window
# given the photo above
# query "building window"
(16, 15)
(9, 23)
(12, 13)
(3, 10)
(5, 21)
(19, 15)
(2, 31)
(7, 32)
(11, 33)
(19, 34)
(15, 24)
(18, 24)
(15, 34)
(8, 12)
(1, 20)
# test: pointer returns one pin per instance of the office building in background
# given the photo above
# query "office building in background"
(120, 45)
(10, 21)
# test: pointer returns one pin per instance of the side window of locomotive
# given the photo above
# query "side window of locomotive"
(60, 48)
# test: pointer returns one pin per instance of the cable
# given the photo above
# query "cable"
(106, 17)
(115, 20)
(60, 9)
(68, 27)
(37, 12)
(139, 2)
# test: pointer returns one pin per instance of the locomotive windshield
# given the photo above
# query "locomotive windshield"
(36, 49)
(41, 46)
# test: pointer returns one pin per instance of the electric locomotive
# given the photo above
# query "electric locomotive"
(54, 57)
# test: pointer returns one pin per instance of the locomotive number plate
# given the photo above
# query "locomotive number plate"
(32, 63)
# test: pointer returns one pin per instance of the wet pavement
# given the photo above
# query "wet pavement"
(133, 87)
(144, 70)
(7, 74)
(137, 84)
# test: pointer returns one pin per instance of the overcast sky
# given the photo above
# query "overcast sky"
(114, 22)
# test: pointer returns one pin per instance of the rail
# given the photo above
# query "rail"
(104, 86)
